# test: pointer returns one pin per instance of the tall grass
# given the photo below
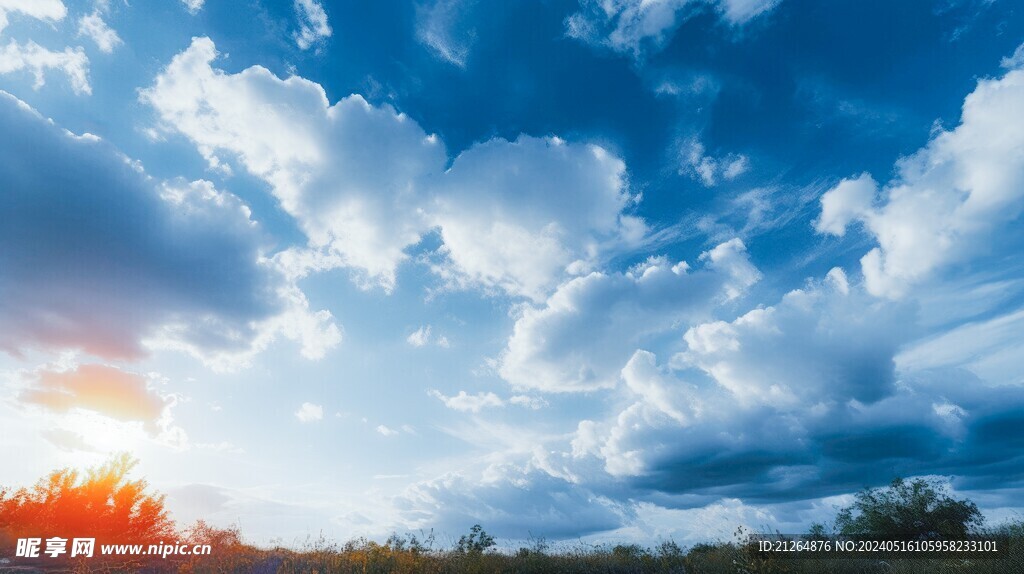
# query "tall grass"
(106, 503)
(398, 557)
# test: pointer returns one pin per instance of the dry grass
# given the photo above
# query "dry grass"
(104, 501)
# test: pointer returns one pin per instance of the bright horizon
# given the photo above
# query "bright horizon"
(628, 271)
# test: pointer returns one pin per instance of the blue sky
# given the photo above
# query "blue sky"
(611, 270)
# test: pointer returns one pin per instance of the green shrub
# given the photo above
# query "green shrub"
(915, 510)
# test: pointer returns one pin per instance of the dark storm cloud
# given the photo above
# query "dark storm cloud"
(96, 255)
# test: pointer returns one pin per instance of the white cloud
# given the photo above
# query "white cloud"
(846, 202)
(634, 26)
(950, 199)
(735, 166)
(805, 401)
(804, 448)
(309, 412)
(742, 11)
(709, 170)
(52, 10)
(1015, 60)
(818, 344)
(616, 311)
(420, 337)
(313, 26)
(386, 431)
(366, 182)
(516, 215)
(424, 336)
(643, 379)
(141, 264)
(658, 401)
(93, 26)
(684, 443)
(468, 403)
(349, 173)
(33, 58)
(193, 6)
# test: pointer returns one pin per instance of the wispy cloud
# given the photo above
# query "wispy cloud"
(313, 25)
(637, 26)
(94, 27)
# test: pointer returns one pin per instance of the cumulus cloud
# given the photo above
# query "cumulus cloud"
(790, 402)
(616, 311)
(633, 26)
(816, 344)
(949, 200)
(386, 430)
(367, 182)
(93, 26)
(511, 501)
(52, 10)
(348, 173)
(845, 203)
(467, 402)
(37, 60)
(515, 215)
(136, 261)
(643, 379)
(804, 401)
(32, 58)
(313, 25)
(309, 412)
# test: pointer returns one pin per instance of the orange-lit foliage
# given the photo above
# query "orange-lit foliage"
(102, 503)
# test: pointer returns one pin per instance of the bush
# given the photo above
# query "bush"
(916, 510)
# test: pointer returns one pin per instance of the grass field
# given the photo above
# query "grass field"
(115, 509)
(398, 556)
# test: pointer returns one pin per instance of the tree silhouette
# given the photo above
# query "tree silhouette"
(102, 503)
(916, 510)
